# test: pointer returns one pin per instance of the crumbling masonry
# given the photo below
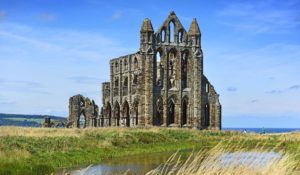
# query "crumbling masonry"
(162, 84)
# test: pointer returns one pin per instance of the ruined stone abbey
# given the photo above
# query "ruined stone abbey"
(162, 84)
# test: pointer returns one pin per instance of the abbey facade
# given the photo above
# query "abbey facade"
(163, 83)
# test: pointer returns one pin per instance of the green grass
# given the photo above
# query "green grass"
(27, 119)
(43, 151)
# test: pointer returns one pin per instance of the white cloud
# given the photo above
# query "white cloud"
(260, 17)
(50, 57)
(250, 69)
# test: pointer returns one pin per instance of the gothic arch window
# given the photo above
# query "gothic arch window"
(117, 113)
(116, 86)
(108, 113)
(136, 112)
(135, 63)
(171, 31)
(126, 113)
(206, 88)
(163, 35)
(172, 68)
(125, 65)
(158, 118)
(135, 79)
(184, 70)
(206, 115)
(158, 69)
(184, 114)
(117, 67)
(171, 112)
(180, 36)
(125, 86)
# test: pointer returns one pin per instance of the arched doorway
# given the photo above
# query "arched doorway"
(171, 112)
(108, 114)
(184, 112)
(117, 113)
(126, 113)
(158, 118)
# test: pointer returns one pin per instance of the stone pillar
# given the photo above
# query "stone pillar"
(164, 60)
(149, 82)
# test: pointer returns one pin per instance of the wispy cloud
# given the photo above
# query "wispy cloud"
(117, 14)
(294, 87)
(85, 80)
(125, 12)
(261, 17)
(47, 17)
(21, 86)
(2, 14)
(231, 89)
(254, 101)
(291, 88)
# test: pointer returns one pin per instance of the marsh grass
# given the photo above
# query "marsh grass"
(46, 150)
(210, 162)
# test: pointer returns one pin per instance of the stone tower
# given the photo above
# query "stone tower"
(163, 83)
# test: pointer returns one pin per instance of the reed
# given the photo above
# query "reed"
(211, 162)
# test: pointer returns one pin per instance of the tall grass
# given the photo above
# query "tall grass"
(46, 150)
(212, 161)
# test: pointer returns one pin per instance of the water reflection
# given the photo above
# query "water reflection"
(139, 164)
(250, 159)
(144, 163)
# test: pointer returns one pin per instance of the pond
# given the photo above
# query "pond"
(137, 164)
(141, 164)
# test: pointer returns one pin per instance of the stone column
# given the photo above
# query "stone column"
(149, 82)
(164, 60)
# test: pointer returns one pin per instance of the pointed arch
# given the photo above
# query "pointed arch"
(135, 63)
(171, 112)
(158, 118)
(117, 113)
(206, 115)
(136, 111)
(125, 86)
(158, 64)
(172, 61)
(180, 36)
(125, 113)
(171, 31)
(184, 69)
(108, 113)
(184, 113)
(163, 35)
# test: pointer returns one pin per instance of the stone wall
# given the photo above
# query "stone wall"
(163, 83)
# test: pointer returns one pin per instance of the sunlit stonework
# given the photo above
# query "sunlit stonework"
(162, 84)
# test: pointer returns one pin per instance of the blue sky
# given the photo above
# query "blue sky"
(53, 49)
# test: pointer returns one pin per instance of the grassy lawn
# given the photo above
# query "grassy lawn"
(45, 150)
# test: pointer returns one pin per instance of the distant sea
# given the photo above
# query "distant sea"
(263, 130)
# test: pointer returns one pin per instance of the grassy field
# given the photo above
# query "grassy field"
(46, 150)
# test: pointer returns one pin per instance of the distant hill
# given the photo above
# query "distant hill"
(26, 120)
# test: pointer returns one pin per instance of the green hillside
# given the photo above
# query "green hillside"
(26, 120)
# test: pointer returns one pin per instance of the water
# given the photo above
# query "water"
(265, 130)
(138, 164)
(250, 159)
(143, 164)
